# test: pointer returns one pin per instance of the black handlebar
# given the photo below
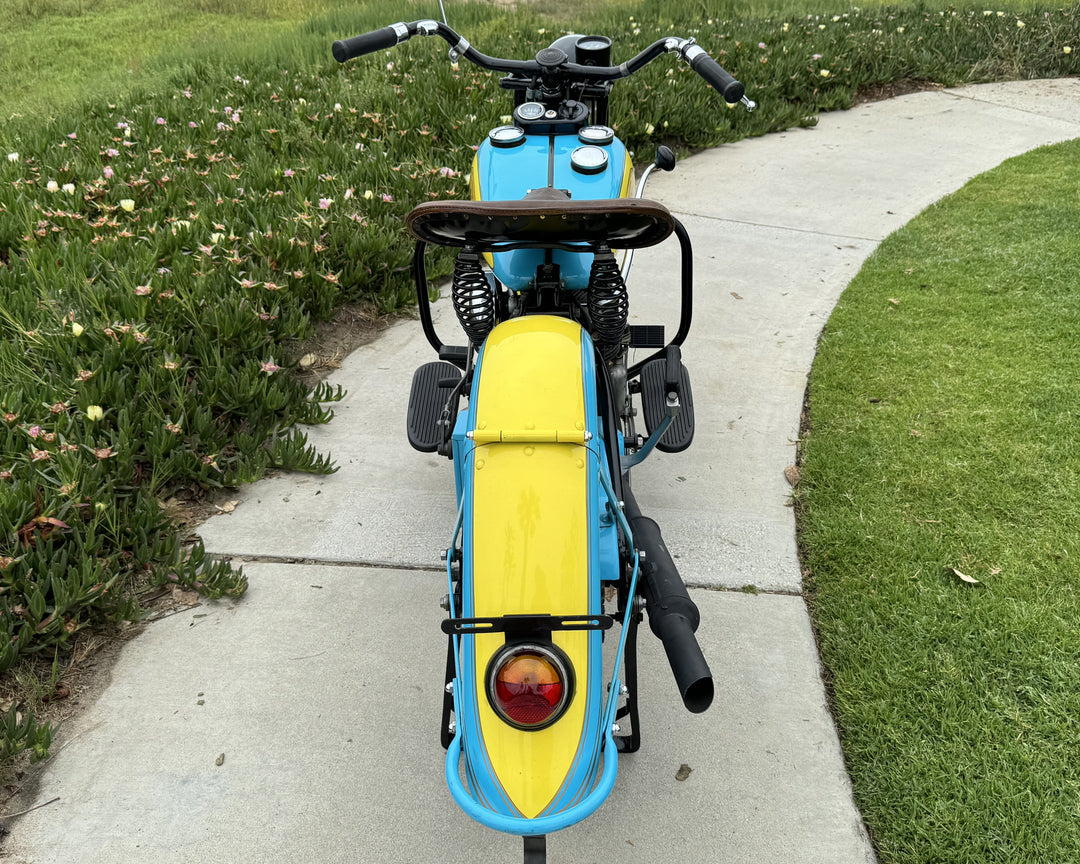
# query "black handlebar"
(699, 60)
(718, 77)
(367, 43)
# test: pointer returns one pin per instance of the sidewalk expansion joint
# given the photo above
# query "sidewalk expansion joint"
(745, 589)
(772, 227)
(1016, 108)
(242, 559)
(438, 568)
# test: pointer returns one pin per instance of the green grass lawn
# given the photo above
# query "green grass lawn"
(944, 412)
(189, 186)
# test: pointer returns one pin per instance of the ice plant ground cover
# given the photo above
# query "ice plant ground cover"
(164, 250)
(939, 497)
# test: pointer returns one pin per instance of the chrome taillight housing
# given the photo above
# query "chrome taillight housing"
(529, 685)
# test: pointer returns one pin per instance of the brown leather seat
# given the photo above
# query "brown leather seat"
(542, 221)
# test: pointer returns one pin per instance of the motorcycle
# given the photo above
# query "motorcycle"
(550, 548)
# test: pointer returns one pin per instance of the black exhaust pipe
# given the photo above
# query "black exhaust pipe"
(673, 616)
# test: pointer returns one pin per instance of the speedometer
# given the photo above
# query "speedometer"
(530, 111)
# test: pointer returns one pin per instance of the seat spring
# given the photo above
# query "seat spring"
(609, 304)
(474, 301)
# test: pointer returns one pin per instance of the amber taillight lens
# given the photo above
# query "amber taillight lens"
(529, 686)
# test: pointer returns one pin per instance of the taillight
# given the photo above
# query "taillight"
(529, 685)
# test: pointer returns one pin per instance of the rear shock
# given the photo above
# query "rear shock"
(609, 303)
(474, 301)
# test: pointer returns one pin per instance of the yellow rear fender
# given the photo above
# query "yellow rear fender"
(530, 547)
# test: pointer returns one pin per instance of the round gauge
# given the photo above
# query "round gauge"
(506, 136)
(593, 51)
(599, 135)
(588, 160)
(593, 43)
(530, 111)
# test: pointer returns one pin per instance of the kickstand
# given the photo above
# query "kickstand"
(535, 850)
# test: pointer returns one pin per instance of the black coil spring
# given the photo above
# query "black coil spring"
(609, 304)
(474, 301)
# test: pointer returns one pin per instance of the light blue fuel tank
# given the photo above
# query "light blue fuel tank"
(507, 173)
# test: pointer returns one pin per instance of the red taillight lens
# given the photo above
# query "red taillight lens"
(529, 686)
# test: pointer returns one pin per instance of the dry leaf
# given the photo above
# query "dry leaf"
(971, 580)
(683, 772)
(307, 361)
(736, 295)
(894, 301)
(220, 760)
(792, 475)
(227, 507)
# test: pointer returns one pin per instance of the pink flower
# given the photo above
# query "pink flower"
(192, 124)
(387, 199)
(160, 121)
(289, 172)
(270, 368)
(761, 45)
(112, 153)
(108, 172)
(34, 431)
(72, 136)
(324, 203)
(142, 290)
(221, 127)
(447, 172)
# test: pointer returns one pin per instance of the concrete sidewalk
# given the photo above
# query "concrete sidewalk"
(322, 687)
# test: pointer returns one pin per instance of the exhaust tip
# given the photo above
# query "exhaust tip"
(699, 695)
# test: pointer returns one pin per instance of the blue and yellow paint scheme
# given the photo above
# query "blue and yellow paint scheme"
(537, 533)
(507, 174)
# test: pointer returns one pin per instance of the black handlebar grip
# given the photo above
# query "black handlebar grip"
(718, 77)
(366, 43)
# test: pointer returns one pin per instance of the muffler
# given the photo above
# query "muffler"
(673, 616)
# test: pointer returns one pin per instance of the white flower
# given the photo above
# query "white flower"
(1020, 25)
(12, 157)
(76, 329)
(127, 204)
(94, 412)
(649, 128)
(52, 186)
(217, 237)
(69, 188)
